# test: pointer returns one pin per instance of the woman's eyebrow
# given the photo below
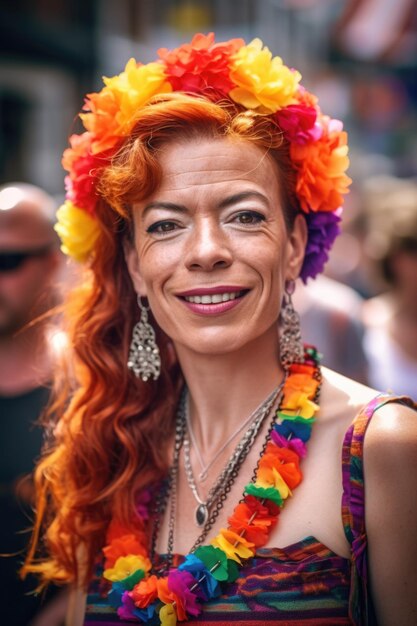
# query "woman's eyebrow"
(244, 195)
(170, 206)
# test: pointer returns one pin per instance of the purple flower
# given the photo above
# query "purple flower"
(180, 583)
(323, 228)
(128, 610)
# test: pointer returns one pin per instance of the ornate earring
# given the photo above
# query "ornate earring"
(144, 359)
(290, 345)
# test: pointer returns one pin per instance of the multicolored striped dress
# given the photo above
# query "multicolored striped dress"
(304, 584)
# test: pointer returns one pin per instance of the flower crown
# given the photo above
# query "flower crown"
(245, 74)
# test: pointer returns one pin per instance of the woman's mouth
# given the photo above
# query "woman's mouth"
(215, 302)
(215, 298)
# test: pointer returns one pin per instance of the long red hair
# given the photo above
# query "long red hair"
(112, 431)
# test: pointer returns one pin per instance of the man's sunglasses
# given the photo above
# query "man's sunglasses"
(13, 259)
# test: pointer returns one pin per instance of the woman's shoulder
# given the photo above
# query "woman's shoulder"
(391, 420)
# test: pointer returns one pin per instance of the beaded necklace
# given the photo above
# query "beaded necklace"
(142, 596)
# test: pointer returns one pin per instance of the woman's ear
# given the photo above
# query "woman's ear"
(297, 241)
(132, 262)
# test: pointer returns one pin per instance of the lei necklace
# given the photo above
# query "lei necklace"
(142, 596)
(245, 75)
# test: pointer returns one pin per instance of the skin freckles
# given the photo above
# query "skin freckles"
(216, 220)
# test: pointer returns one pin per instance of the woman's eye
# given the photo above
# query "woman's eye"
(162, 227)
(249, 217)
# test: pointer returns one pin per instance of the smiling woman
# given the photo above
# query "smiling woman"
(204, 185)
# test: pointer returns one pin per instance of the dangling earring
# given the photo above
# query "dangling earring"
(290, 344)
(144, 359)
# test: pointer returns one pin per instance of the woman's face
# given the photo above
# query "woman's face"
(212, 251)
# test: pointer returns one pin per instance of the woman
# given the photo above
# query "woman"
(204, 185)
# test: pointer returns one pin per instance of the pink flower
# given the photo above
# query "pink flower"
(298, 122)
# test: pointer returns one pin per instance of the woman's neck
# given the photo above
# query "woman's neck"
(225, 389)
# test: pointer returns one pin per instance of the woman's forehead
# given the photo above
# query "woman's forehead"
(206, 162)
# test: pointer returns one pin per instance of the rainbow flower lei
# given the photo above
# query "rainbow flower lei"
(245, 74)
(141, 596)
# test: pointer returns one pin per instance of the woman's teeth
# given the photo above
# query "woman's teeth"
(214, 298)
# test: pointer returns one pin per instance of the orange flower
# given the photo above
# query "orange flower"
(194, 66)
(255, 530)
(287, 465)
(145, 592)
(122, 546)
(321, 165)
(101, 119)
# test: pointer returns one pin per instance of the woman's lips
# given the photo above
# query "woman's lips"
(212, 301)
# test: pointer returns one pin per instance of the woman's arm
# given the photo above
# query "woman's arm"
(390, 465)
(76, 608)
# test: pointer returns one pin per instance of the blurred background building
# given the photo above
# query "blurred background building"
(360, 56)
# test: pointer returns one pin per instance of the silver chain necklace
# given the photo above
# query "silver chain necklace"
(242, 449)
(223, 484)
(202, 476)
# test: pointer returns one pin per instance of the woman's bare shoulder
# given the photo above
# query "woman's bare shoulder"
(342, 396)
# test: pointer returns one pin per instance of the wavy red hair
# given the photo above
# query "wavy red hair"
(107, 440)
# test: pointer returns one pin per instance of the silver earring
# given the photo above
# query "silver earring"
(290, 344)
(144, 358)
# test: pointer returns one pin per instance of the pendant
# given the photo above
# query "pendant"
(201, 515)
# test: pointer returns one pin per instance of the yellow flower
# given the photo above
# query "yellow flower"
(299, 404)
(167, 615)
(114, 109)
(125, 566)
(234, 546)
(270, 477)
(78, 231)
(263, 82)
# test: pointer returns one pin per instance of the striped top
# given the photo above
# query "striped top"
(304, 584)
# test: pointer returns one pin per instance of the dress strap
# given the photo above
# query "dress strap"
(353, 506)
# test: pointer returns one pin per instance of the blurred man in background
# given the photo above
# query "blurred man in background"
(29, 264)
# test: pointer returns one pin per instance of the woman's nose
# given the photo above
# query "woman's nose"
(208, 248)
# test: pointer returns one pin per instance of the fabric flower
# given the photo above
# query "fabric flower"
(216, 561)
(263, 83)
(127, 566)
(234, 546)
(180, 583)
(206, 581)
(268, 493)
(145, 592)
(78, 231)
(200, 64)
(295, 444)
(321, 179)
(168, 615)
(128, 611)
(123, 546)
(299, 123)
(111, 113)
(255, 529)
(323, 228)
(300, 430)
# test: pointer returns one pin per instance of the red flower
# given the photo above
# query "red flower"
(202, 63)
(298, 122)
(256, 530)
(84, 168)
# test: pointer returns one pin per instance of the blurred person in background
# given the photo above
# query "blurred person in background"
(391, 318)
(331, 317)
(29, 264)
